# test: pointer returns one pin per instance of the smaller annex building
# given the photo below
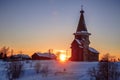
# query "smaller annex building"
(43, 56)
(20, 57)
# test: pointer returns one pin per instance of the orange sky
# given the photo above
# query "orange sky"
(39, 25)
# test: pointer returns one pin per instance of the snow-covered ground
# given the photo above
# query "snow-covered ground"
(56, 70)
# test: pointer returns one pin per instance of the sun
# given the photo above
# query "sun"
(62, 57)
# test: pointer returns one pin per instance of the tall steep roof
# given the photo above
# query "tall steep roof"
(81, 25)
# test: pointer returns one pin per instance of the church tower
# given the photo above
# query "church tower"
(80, 45)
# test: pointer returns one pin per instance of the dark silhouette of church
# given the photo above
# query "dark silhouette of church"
(80, 45)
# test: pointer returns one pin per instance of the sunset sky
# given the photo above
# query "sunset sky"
(38, 25)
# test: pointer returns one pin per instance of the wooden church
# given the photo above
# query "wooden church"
(80, 45)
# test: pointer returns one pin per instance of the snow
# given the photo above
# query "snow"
(79, 32)
(93, 50)
(80, 46)
(78, 41)
(49, 55)
(82, 33)
(73, 70)
(57, 70)
(22, 55)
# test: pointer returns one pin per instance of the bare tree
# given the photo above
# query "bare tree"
(45, 70)
(106, 70)
(42, 69)
(4, 52)
(14, 69)
(37, 67)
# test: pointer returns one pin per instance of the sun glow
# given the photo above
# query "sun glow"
(62, 57)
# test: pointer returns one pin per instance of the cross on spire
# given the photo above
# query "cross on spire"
(82, 11)
(81, 7)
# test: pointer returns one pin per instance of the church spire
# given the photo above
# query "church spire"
(81, 24)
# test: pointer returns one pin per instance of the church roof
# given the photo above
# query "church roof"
(90, 48)
(81, 25)
(48, 55)
(93, 50)
(78, 41)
